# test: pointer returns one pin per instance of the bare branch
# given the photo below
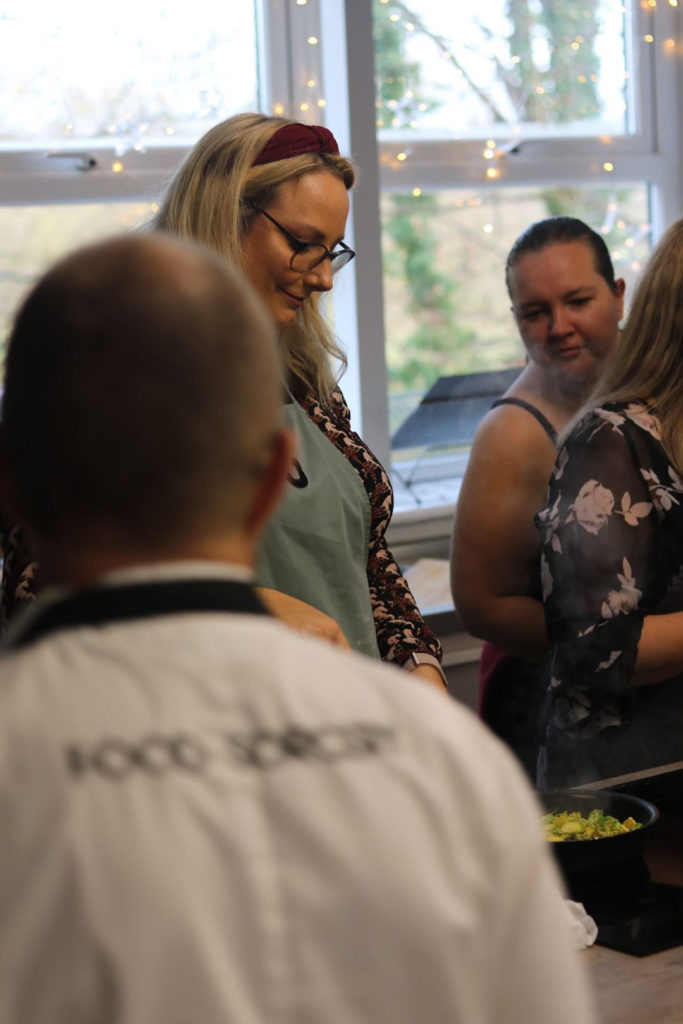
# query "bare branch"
(446, 49)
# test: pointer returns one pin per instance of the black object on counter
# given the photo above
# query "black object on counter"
(609, 876)
(634, 914)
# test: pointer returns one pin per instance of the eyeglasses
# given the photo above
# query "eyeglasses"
(308, 255)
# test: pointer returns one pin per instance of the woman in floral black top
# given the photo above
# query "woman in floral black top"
(612, 537)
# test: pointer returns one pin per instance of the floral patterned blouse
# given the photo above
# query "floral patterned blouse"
(612, 551)
(400, 627)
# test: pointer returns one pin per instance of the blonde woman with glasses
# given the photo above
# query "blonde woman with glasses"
(272, 196)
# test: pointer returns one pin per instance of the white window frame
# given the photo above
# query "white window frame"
(82, 170)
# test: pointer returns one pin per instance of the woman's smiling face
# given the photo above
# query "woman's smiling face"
(314, 208)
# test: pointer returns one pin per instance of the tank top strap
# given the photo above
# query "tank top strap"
(536, 413)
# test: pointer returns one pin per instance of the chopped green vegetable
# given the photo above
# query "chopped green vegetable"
(571, 825)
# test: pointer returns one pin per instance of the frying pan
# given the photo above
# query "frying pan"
(586, 854)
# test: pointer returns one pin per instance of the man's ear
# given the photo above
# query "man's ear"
(619, 289)
(271, 483)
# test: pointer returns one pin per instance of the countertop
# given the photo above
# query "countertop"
(644, 990)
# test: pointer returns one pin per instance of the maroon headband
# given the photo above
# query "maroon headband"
(294, 140)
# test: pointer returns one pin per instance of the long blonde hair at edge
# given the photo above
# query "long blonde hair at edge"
(210, 201)
(647, 362)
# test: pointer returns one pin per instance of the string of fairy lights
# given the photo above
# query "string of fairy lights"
(401, 114)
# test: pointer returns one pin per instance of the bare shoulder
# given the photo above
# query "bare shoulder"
(510, 436)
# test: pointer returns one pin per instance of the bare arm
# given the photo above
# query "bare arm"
(660, 650)
(431, 675)
(301, 616)
(305, 618)
(495, 547)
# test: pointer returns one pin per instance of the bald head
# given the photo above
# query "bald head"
(141, 393)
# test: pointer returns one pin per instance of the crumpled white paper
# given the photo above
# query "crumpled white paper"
(582, 927)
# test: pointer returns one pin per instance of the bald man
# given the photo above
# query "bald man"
(206, 816)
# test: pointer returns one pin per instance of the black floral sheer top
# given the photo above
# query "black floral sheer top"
(612, 552)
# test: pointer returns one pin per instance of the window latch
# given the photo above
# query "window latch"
(84, 161)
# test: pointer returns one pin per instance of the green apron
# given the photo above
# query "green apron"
(316, 546)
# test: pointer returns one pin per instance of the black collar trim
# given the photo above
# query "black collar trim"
(100, 606)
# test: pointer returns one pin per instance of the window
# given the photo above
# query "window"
(520, 68)
(489, 117)
(36, 234)
(96, 112)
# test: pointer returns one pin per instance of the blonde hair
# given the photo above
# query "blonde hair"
(210, 200)
(647, 362)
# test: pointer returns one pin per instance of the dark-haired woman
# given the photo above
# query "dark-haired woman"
(567, 305)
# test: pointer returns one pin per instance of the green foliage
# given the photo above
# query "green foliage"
(559, 86)
(412, 252)
(566, 88)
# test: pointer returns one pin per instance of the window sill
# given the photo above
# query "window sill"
(421, 533)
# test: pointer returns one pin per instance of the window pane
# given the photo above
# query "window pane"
(446, 306)
(129, 74)
(500, 68)
(33, 237)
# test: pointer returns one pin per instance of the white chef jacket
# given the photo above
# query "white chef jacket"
(207, 818)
